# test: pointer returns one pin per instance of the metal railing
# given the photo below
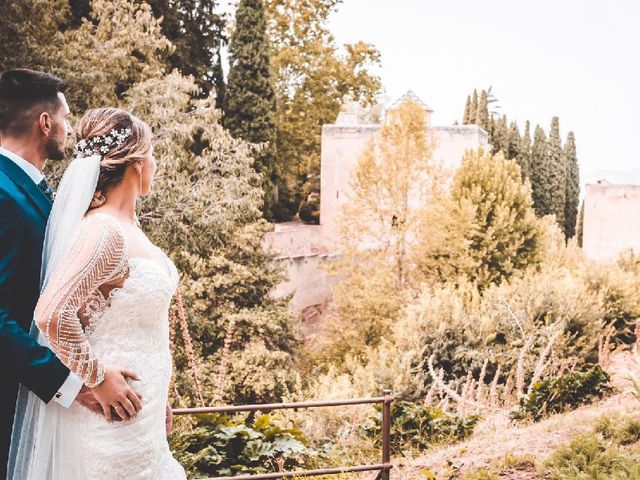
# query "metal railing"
(383, 468)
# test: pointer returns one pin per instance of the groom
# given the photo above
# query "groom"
(33, 127)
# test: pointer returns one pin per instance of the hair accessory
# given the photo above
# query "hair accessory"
(102, 144)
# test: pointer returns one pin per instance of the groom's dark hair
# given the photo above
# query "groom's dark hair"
(21, 91)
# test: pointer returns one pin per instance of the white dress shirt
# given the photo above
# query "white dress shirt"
(72, 385)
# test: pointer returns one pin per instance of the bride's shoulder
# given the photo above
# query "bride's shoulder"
(105, 223)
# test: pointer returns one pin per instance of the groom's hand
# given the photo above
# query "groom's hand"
(88, 400)
(115, 393)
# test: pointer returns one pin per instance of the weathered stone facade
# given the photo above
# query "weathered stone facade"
(341, 148)
(611, 220)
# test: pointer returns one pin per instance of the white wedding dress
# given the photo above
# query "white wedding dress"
(91, 327)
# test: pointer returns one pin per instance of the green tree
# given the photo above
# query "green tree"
(557, 174)
(513, 143)
(500, 136)
(482, 114)
(313, 79)
(195, 28)
(250, 100)
(467, 111)
(580, 224)
(507, 237)
(573, 186)
(392, 182)
(395, 172)
(540, 173)
(524, 155)
(445, 230)
(121, 44)
(473, 110)
(28, 33)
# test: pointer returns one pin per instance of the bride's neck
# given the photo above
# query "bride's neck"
(121, 200)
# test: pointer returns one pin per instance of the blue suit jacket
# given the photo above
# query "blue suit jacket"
(24, 210)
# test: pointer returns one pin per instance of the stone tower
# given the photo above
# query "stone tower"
(343, 142)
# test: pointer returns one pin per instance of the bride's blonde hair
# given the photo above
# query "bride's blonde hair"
(135, 147)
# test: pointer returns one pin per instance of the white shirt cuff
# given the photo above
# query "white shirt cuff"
(68, 391)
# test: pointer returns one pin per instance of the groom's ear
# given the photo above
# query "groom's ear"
(45, 123)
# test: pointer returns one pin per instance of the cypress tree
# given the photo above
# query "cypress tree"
(249, 104)
(196, 30)
(580, 224)
(540, 173)
(473, 109)
(467, 109)
(482, 114)
(499, 138)
(557, 185)
(573, 185)
(524, 155)
(491, 130)
(513, 142)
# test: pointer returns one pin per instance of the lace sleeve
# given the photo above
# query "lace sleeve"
(97, 256)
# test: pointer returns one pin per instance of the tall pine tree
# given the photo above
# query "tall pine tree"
(467, 111)
(540, 173)
(473, 109)
(482, 114)
(557, 174)
(580, 224)
(250, 102)
(572, 186)
(513, 142)
(499, 136)
(524, 155)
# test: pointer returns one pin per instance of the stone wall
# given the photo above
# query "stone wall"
(341, 149)
(611, 220)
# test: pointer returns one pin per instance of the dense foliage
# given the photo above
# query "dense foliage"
(551, 168)
(416, 426)
(558, 394)
(218, 446)
(250, 101)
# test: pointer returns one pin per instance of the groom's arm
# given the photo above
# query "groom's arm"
(29, 362)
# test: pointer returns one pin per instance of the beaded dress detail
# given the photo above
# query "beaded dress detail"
(102, 308)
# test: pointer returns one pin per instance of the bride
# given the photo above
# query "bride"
(103, 309)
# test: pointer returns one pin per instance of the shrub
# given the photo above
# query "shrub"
(618, 430)
(587, 457)
(310, 210)
(566, 392)
(219, 445)
(418, 426)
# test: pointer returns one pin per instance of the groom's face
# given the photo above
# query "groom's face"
(60, 129)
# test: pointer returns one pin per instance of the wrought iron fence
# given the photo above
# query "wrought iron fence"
(383, 468)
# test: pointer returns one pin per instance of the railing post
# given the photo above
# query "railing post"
(386, 434)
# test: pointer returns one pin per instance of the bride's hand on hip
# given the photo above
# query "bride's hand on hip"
(114, 392)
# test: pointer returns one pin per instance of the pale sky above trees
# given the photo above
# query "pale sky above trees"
(577, 59)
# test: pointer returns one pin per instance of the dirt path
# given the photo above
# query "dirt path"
(496, 437)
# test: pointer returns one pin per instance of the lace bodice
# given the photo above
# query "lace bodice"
(79, 290)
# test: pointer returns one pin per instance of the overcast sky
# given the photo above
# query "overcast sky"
(577, 59)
